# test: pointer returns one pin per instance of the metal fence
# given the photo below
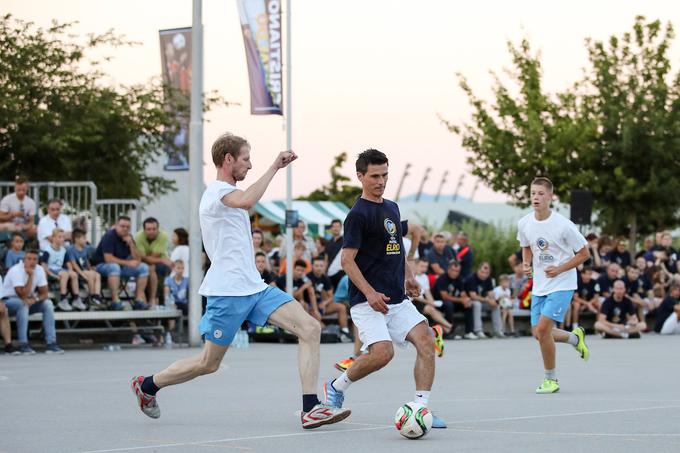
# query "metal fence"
(80, 202)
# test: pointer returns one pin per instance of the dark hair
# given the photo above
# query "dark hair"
(227, 143)
(334, 221)
(123, 217)
(318, 258)
(52, 201)
(258, 231)
(370, 157)
(260, 254)
(149, 220)
(301, 263)
(33, 251)
(322, 240)
(542, 181)
(16, 234)
(454, 263)
(586, 269)
(77, 232)
(19, 179)
(182, 236)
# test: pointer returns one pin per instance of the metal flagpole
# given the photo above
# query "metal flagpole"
(289, 146)
(195, 173)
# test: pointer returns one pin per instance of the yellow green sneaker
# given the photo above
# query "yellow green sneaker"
(548, 386)
(581, 346)
(438, 340)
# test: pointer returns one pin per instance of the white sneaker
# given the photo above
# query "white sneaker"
(63, 305)
(481, 335)
(323, 414)
(470, 336)
(137, 339)
(168, 340)
(79, 305)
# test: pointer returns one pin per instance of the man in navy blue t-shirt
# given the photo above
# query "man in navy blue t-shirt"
(374, 259)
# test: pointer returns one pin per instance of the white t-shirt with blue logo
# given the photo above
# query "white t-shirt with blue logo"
(553, 241)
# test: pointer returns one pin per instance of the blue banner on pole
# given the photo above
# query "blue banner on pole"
(261, 27)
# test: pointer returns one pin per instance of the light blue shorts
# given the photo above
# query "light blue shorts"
(553, 306)
(224, 315)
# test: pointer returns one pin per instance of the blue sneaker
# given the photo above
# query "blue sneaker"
(334, 398)
(140, 305)
(117, 306)
(53, 348)
(25, 349)
(438, 422)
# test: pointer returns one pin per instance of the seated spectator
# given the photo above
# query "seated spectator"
(424, 244)
(642, 264)
(585, 297)
(604, 247)
(258, 240)
(299, 251)
(517, 282)
(323, 292)
(514, 260)
(55, 269)
(152, 244)
(638, 290)
(439, 255)
(19, 295)
(180, 240)
(426, 304)
(16, 250)
(261, 265)
(450, 286)
(663, 254)
(17, 210)
(603, 285)
(6, 329)
(333, 247)
(176, 288)
(117, 256)
(302, 289)
(619, 254)
(618, 317)
(78, 261)
(479, 288)
(502, 294)
(53, 219)
(593, 260)
(320, 244)
(464, 254)
(668, 314)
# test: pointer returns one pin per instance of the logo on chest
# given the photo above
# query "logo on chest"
(393, 247)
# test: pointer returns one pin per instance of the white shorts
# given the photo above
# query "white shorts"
(374, 326)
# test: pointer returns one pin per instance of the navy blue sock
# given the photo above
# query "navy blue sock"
(309, 401)
(149, 387)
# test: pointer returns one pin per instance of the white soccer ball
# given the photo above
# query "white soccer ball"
(413, 420)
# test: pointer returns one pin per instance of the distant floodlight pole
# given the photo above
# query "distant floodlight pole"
(458, 186)
(289, 146)
(401, 182)
(195, 172)
(422, 183)
(474, 190)
(441, 184)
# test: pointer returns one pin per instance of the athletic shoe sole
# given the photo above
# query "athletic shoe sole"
(329, 421)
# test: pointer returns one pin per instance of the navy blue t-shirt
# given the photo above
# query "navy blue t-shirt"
(113, 244)
(375, 229)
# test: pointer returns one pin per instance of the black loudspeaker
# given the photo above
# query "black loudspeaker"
(581, 206)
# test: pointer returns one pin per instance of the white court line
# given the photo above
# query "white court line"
(298, 434)
(551, 433)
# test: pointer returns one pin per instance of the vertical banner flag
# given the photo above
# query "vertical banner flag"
(261, 27)
(176, 61)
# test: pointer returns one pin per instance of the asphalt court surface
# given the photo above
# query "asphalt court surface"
(625, 399)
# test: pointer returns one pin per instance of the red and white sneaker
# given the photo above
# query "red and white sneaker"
(322, 414)
(147, 403)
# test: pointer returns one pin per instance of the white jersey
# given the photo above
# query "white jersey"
(228, 242)
(17, 276)
(553, 242)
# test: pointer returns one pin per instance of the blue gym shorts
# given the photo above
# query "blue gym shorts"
(553, 306)
(224, 315)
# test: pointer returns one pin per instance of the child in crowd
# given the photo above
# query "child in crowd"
(176, 291)
(77, 260)
(16, 251)
(55, 257)
(503, 296)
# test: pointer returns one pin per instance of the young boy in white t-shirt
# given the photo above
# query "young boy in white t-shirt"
(502, 294)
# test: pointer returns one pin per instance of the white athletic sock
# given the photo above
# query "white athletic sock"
(551, 374)
(422, 397)
(573, 339)
(342, 383)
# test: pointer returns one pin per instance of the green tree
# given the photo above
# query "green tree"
(59, 121)
(338, 189)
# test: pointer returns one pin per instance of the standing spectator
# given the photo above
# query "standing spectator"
(450, 286)
(53, 219)
(55, 269)
(18, 293)
(300, 236)
(323, 290)
(604, 284)
(333, 247)
(617, 317)
(439, 255)
(152, 243)
(424, 244)
(593, 260)
(16, 250)
(176, 289)
(17, 210)
(619, 254)
(668, 314)
(585, 297)
(464, 254)
(320, 244)
(605, 246)
(180, 239)
(426, 304)
(117, 256)
(502, 294)
(261, 265)
(78, 261)
(479, 288)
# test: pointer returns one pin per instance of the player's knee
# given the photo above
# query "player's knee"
(209, 366)
(382, 355)
(311, 330)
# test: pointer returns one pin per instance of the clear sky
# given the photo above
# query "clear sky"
(366, 73)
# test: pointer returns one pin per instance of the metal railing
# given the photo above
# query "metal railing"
(108, 212)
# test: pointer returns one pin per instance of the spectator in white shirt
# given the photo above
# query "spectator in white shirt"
(53, 219)
(180, 239)
(17, 210)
